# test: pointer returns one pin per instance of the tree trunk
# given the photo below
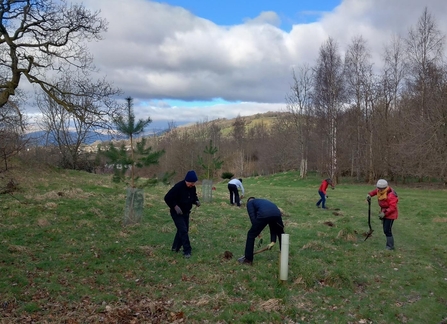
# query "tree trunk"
(303, 168)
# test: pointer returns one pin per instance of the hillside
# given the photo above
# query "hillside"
(226, 125)
(67, 258)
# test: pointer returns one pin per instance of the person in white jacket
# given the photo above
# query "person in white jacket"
(234, 186)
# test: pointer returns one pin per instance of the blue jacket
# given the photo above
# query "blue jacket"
(262, 208)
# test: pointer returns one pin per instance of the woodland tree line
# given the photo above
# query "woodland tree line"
(344, 117)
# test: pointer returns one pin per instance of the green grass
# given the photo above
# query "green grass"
(64, 254)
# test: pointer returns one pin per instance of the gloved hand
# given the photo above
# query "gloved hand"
(242, 196)
(198, 203)
(368, 197)
(381, 215)
(178, 210)
(332, 188)
(327, 196)
(271, 245)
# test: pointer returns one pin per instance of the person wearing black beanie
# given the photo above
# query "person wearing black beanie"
(180, 199)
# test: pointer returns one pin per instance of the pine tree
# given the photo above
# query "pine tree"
(139, 156)
(211, 163)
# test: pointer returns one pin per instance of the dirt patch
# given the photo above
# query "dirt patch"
(86, 311)
(271, 305)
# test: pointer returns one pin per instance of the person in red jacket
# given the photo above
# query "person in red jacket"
(388, 199)
(322, 192)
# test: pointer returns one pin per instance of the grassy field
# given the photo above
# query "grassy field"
(65, 256)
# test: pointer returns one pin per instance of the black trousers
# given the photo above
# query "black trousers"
(276, 227)
(181, 236)
(234, 194)
(387, 227)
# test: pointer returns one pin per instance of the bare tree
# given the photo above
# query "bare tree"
(239, 136)
(358, 72)
(68, 130)
(299, 105)
(282, 147)
(424, 47)
(259, 158)
(11, 143)
(12, 126)
(181, 151)
(391, 92)
(41, 37)
(328, 98)
(11, 117)
(394, 72)
(214, 133)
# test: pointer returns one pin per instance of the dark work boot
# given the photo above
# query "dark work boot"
(389, 243)
(243, 260)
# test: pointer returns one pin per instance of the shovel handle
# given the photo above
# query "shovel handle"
(261, 250)
(369, 221)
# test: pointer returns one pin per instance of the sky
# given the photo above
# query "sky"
(188, 61)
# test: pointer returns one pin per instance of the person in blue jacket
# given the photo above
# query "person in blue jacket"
(262, 212)
(180, 199)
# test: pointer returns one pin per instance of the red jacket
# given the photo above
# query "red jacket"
(324, 186)
(388, 205)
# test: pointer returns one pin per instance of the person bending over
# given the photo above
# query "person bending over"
(262, 212)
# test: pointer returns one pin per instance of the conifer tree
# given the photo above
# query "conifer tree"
(138, 155)
(211, 163)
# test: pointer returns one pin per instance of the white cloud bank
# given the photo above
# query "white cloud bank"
(154, 51)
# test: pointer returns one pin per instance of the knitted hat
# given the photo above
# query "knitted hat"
(382, 184)
(191, 176)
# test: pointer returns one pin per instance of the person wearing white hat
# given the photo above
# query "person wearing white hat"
(387, 199)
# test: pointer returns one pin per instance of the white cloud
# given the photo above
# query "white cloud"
(157, 51)
(265, 17)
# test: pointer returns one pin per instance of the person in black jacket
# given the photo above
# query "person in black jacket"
(180, 199)
(262, 212)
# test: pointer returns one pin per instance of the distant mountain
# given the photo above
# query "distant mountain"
(41, 138)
